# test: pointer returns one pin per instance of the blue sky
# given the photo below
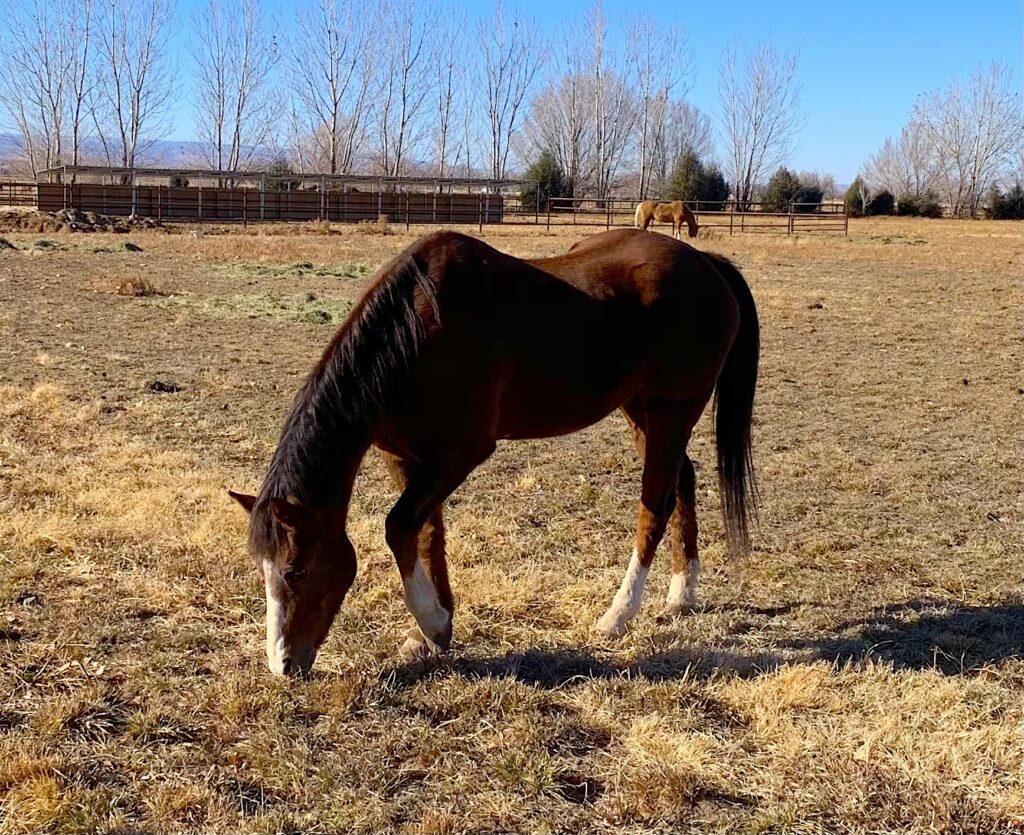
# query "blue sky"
(862, 64)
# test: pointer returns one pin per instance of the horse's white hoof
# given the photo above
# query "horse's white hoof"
(611, 625)
(418, 648)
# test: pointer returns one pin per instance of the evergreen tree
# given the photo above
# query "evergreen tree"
(544, 179)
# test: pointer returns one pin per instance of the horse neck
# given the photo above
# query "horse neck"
(319, 452)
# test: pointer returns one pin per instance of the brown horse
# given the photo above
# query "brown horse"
(456, 346)
(675, 213)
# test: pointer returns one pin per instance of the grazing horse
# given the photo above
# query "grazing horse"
(675, 213)
(456, 346)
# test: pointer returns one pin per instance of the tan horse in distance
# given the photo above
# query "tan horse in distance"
(675, 213)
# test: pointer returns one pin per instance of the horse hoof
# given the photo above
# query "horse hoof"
(610, 626)
(677, 610)
(418, 648)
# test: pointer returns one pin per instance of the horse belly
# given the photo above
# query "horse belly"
(543, 411)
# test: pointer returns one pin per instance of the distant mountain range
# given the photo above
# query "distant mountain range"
(166, 153)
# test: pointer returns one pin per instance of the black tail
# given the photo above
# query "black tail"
(734, 408)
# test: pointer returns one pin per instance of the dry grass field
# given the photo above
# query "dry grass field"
(861, 672)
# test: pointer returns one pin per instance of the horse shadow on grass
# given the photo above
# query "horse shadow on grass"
(916, 634)
(927, 634)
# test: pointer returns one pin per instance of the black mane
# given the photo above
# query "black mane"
(350, 387)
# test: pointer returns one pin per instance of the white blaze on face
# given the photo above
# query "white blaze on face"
(275, 624)
(682, 590)
(421, 599)
(627, 600)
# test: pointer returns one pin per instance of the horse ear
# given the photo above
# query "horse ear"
(244, 499)
(288, 512)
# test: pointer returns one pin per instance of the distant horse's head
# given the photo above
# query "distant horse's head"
(307, 564)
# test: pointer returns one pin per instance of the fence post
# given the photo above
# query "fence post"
(549, 214)
(245, 207)
(789, 226)
(608, 214)
(846, 219)
(406, 210)
(536, 205)
(480, 211)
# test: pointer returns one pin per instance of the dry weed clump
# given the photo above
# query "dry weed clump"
(380, 226)
(138, 286)
(861, 672)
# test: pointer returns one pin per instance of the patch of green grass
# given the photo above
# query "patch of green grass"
(304, 269)
(308, 308)
(6, 244)
(46, 245)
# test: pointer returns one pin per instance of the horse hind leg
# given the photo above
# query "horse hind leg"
(682, 591)
(663, 447)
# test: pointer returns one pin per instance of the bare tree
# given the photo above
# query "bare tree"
(660, 64)
(760, 114)
(973, 128)
(904, 167)
(134, 83)
(79, 27)
(234, 55)
(404, 42)
(687, 129)
(561, 118)
(331, 75)
(821, 180)
(511, 53)
(614, 102)
(449, 55)
(44, 55)
(560, 122)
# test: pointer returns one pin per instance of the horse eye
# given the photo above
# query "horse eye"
(294, 574)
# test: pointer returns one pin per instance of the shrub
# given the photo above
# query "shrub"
(685, 179)
(808, 195)
(781, 191)
(1009, 206)
(279, 170)
(882, 203)
(919, 205)
(856, 198)
(544, 179)
(692, 181)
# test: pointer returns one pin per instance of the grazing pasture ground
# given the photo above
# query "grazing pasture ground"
(861, 672)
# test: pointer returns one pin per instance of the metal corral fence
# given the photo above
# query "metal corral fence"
(249, 204)
(349, 203)
(18, 194)
(723, 214)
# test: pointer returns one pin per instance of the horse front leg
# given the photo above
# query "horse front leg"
(414, 530)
